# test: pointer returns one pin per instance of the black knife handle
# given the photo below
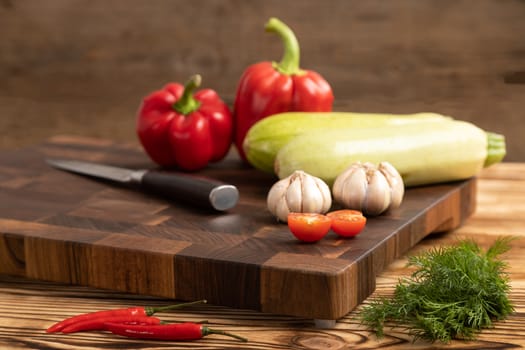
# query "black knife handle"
(191, 189)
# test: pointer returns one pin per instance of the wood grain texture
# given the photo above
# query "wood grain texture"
(81, 67)
(58, 226)
(29, 307)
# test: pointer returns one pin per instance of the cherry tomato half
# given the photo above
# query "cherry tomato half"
(346, 222)
(309, 227)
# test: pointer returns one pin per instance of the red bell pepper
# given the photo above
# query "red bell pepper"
(180, 129)
(268, 88)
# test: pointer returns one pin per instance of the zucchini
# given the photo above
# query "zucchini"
(439, 152)
(267, 136)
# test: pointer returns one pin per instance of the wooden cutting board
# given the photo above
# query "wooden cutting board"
(59, 226)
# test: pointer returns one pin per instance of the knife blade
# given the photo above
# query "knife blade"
(191, 189)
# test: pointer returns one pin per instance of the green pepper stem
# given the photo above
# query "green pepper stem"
(153, 310)
(291, 58)
(187, 103)
(206, 331)
(496, 149)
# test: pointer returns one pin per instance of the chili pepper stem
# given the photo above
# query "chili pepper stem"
(153, 310)
(187, 103)
(289, 64)
(206, 331)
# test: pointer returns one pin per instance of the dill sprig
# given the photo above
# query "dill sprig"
(454, 293)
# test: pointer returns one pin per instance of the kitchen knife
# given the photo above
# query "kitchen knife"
(195, 190)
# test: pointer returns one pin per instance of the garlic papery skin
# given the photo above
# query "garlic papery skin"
(395, 181)
(298, 193)
(370, 189)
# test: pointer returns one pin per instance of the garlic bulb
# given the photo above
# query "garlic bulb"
(370, 189)
(299, 193)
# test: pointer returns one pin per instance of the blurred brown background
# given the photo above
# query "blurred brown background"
(81, 67)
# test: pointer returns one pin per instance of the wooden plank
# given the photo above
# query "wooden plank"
(77, 230)
(29, 307)
(463, 58)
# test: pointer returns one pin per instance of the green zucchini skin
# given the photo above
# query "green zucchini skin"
(269, 135)
(438, 152)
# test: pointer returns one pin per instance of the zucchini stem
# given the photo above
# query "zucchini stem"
(495, 149)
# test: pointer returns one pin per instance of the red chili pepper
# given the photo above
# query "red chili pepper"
(268, 88)
(135, 311)
(174, 331)
(180, 129)
(99, 322)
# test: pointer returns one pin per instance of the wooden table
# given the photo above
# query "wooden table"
(29, 307)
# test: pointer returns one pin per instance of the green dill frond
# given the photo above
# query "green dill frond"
(454, 292)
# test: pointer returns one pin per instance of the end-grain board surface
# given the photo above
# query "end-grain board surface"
(63, 227)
